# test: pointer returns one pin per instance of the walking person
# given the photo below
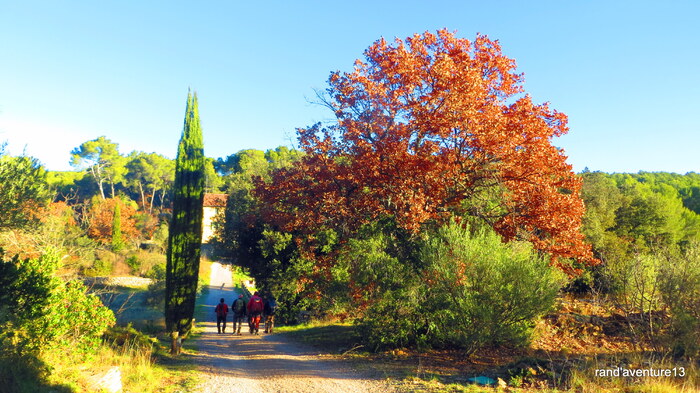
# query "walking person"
(270, 310)
(221, 311)
(238, 309)
(255, 309)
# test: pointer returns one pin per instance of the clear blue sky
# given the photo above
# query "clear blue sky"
(627, 73)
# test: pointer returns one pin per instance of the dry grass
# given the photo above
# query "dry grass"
(143, 364)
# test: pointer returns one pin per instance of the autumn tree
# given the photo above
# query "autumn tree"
(429, 127)
(185, 228)
(101, 215)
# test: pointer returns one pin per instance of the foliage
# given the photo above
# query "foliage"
(102, 266)
(680, 290)
(472, 290)
(144, 263)
(147, 174)
(23, 190)
(117, 239)
(430, 127)
(641, 228)
(101, 219)
(39, 311)
(102, 159)
(185, 228)
(627, 217)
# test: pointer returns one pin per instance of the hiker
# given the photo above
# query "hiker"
(270, 310)
(221, 310)
(238, 308)
(254, 309)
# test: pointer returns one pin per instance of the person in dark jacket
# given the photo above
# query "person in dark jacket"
(270, 310)
(221, 311)
(238, 309)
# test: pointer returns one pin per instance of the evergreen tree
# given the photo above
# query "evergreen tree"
(117, 239)
(185, 229)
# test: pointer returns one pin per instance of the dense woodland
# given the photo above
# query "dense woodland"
(427, 219)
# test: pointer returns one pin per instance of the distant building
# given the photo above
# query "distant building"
(213, 205)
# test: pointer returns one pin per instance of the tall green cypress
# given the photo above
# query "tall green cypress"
(185, 236)
(117, 239)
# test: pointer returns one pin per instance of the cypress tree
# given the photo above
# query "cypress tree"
(185, 236)
(117, 240)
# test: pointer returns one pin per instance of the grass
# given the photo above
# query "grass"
(333, 338)
(143, 362)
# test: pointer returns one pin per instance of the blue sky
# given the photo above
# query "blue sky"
(626, 73)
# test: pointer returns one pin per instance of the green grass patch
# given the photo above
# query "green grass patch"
(334, 338)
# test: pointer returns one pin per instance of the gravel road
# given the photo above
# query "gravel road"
(266, 363)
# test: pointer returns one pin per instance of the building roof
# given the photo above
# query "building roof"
(215, 200)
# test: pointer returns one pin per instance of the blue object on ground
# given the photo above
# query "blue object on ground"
(482, 380)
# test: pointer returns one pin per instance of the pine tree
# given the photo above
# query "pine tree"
(185, 229)
(117, 239)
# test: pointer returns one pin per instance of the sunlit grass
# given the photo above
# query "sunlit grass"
(140, 368)
(205, 273)
(332, 337)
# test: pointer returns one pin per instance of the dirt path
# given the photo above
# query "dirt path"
(266, 363)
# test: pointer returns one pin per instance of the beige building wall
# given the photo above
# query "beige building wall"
(208, 223)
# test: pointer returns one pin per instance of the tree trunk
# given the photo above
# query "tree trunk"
(98, 179)
(153, 196)
(175, 343)
(143, 197)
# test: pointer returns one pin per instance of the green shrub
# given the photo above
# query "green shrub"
(464, 290)
(134, 264)
(483, 291)
(680, 290)
(39, 311)
(100, 267)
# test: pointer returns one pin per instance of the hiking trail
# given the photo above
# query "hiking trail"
(265, 363)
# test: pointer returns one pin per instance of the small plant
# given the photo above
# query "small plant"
(134, 263)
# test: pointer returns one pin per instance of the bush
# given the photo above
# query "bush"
(680, 290)
(38, 311)
(482, 291)
(134, 264)
(101, 267)
(466, 290)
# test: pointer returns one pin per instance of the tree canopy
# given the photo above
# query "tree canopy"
(429, 127)
(101, 157)
(23, 189)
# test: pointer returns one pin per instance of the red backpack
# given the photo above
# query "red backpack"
(256, 305)
(221, 309)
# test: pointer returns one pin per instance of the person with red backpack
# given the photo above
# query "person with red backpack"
(255, 308)
(221, 310)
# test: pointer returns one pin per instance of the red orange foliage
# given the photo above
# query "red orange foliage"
(427, 127)
(101, 215)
